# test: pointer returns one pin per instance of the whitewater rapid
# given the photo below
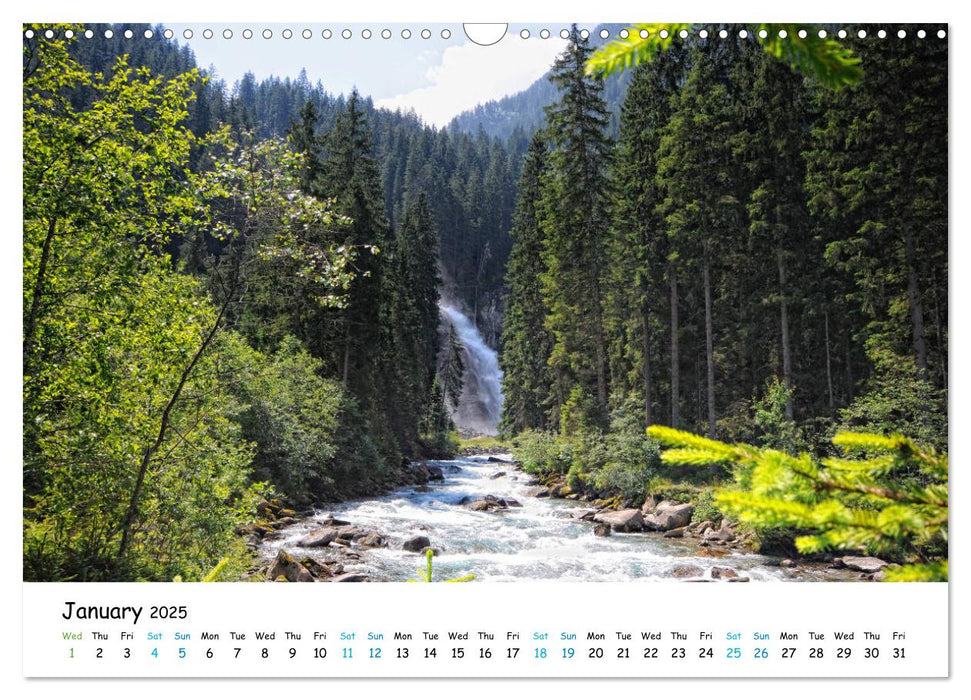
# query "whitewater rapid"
(540, 541)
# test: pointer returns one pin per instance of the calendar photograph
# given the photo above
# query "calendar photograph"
(387, 303)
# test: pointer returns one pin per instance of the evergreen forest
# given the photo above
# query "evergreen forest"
(719, 273)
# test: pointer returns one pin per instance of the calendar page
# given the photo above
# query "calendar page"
(580, 350)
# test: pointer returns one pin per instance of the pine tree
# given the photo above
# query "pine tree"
(701, 203)
(526, 342)
(642, 279)
(575, 223)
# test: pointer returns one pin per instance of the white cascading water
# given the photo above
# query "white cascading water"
(480, 405)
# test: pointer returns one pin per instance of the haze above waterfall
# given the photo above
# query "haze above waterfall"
(480, 405)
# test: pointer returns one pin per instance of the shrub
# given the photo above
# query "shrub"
(543, 453)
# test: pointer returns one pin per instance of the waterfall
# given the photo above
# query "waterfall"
(481, 402)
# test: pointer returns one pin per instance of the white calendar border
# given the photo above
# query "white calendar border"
(438, 11)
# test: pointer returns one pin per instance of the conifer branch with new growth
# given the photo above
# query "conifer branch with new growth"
(888, 495)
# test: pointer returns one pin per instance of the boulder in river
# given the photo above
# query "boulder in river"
(351, 577)
(649, 505)
(435, 474)
(602, 530)
(629, 520)
(687, 571)
(319, 538)
(285, 566)
(669, 516)
(539, 492)
(372, 539)
(676, 532)
(723, 534)
(868, 565)
(498, 475)
(416, 544)
(723, 572)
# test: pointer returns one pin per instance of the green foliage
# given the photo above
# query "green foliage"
(542, 453)
(641, 45)
(855, 502)
(426, 573)
(778, 431)
(290, 413)
(705, 507)
(899, 399)
(831, 63)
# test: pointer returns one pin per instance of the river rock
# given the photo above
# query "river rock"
(513, 503)
(319, 538)
(435, 474)
(739, 579)
(352, 577)
(687, 571)
(676, 532)
(498, 475)
(499, 460)
(539, 492)
(416, 544)
(283, 565)
(372, 539)
(669, 516)
(723, 572)
(649, 505)
(584, 514)
(701, 527)
(867, 565)
(479, 505)
(560, 491)
(722, 534)
(621, 520)
(602, 530)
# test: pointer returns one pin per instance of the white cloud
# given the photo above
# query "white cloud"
(470, 74)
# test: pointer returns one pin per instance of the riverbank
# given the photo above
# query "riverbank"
(487, 517)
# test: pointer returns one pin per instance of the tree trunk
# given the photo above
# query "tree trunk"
(709, 345)
(646, 341)
(850, 381)
(829, 367)
(150, 451)
(601, 351)
(30, 323)
(346, 369)
(939, 334)
(916, 309)
(675, 371)
(784, 318)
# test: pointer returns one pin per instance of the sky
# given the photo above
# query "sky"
(438, 77)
